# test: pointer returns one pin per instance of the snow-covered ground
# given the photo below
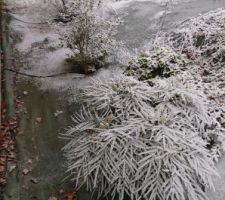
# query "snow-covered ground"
(142, 20)
(42, 51)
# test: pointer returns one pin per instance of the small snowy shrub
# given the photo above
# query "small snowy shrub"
(140, 141)
(70, 9)
(92, 36)
(92, 41)
(160, 62)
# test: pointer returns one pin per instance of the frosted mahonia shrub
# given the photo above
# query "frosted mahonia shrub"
(160, 62)
(144, 142)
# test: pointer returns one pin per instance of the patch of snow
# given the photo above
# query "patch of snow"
(219, 183)
(126, 3)
(55, 60)
(71, 83)
(29, 39)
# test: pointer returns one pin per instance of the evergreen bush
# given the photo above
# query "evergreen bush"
(144, 142)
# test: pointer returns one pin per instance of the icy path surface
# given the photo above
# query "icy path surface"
(219, 183)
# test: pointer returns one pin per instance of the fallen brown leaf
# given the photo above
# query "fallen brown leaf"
(30, 161)
(38, 119)
(34, 180)
(11, 167)
(211, 98)
(71, 195)
(61, 191)
(25, 187)
(2, 168)
(11, 155)
(2, 181)
(25, 93)
(57, 113)
(25, 171)
(52, 198)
